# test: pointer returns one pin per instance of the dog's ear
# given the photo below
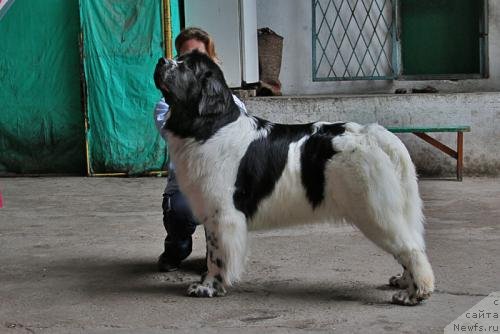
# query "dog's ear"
(213, 99)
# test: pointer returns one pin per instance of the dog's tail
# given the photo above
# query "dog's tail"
(405, 169)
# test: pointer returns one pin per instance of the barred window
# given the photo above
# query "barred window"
(399, 39)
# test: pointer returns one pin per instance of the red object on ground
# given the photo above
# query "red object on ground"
(1, 201)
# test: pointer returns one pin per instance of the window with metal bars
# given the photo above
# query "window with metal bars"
(398, 39)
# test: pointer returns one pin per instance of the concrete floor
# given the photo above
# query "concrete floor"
(78, 255)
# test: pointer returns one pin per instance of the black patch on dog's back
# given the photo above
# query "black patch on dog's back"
(315, 152)
(263, 163)
(265, 159)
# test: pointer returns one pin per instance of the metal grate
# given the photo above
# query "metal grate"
(352, 40)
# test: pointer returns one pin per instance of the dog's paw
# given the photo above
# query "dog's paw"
(404, 298)
(205, 290)
(410, 297)
(399, 281)
(200, 290)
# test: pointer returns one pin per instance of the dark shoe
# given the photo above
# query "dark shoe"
(166, 265)
(427, 89)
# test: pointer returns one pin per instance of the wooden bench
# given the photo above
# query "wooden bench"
(421, 132)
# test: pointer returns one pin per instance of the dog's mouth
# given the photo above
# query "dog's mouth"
(164, 69)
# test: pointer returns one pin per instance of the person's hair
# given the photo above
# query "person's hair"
(200, 35)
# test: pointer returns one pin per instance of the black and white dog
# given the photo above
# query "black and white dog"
(240, 171)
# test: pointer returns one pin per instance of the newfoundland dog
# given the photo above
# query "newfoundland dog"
(239, 171)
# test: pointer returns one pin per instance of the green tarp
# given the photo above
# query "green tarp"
(122, 43)
(41, 122)
(41, 115)
(175, 21)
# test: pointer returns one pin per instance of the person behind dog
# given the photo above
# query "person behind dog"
(177, 216)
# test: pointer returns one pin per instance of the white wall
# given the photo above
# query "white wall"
(233, 26)
(292, 19)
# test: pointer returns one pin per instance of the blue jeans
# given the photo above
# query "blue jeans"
(180, 225)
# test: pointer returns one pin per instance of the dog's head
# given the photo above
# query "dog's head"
(192, 83)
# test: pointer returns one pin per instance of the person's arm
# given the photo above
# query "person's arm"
(160, 114)
(239, 103)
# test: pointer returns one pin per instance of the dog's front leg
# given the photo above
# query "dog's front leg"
(226, 252)
(212, 283)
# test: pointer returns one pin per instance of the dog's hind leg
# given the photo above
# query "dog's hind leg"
(384, 202)
(226, 236)
(420, 278)
(406, 245)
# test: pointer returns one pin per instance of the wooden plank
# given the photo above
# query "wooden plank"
(460, 154)
(423, 129)
(421, 133)
(452, 153)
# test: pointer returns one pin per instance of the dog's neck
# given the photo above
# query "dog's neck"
(186, 121)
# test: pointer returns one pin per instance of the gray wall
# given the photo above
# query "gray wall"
(292, 20)
(479, 110)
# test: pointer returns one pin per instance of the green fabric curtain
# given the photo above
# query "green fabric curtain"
(176, 21)
(122, 41)
(41, 122)
(41, 116)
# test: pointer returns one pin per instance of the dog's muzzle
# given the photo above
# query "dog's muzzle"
(163, 69)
